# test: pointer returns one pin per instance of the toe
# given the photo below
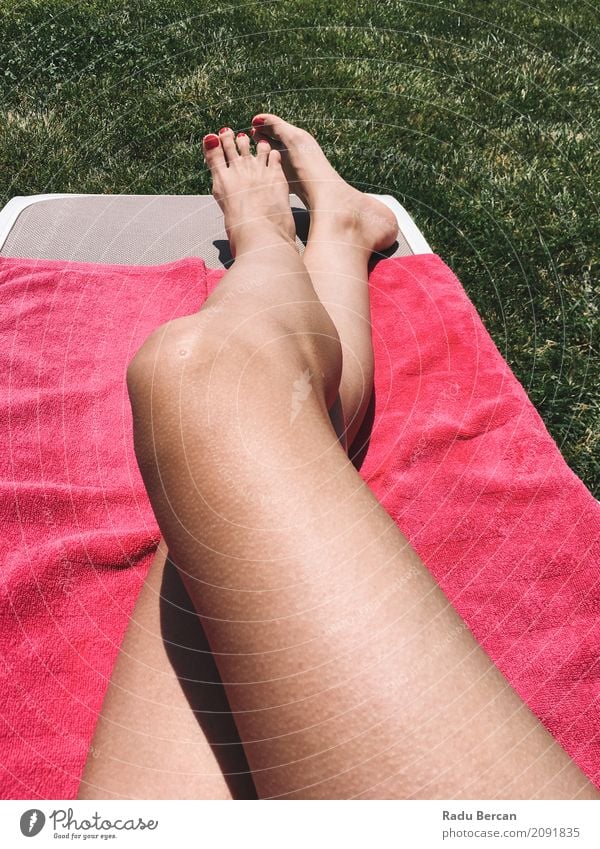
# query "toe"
(243, 144)
(262, 150)
(228, 143)
(267, 124)
(259, 135)
(213, 152)
(274, 160)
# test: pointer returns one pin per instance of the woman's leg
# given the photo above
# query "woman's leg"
(346, 227)
(348, 672)
(148, 742)
(165, 731)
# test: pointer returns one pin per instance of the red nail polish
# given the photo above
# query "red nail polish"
(258, 121)
(252, 131)
(241, 135)
(225, 130)
(211, 141)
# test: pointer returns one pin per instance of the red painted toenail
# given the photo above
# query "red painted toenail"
(241, 135)
(258, 121)
(211, 141)
(225, 130)
(252, 131)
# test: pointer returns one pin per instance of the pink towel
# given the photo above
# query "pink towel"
(457, 455)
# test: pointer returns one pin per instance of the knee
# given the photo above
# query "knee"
(188, 359)
(156, 369)
(181, 359)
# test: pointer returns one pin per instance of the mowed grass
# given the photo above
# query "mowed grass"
(480, 116)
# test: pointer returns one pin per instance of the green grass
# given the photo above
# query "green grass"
(480, 116)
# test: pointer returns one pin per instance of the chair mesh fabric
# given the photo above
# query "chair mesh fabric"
(133, 230)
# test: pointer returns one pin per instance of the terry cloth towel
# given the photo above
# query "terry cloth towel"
(457, 455)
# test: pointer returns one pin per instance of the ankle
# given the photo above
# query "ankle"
(342, 228)
(361, 223)
(262, 234)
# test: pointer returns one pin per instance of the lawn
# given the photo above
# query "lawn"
(481, 117)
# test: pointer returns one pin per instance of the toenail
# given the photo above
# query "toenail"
(225, 130)
(210, 141)
(252, 131)
(241, 135)
(258, 121)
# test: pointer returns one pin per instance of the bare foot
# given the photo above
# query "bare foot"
(251, 190)
(310, 175)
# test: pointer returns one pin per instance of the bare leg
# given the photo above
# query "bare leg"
(148, 742)
(348, 671)
(165, 731)
(346, 227)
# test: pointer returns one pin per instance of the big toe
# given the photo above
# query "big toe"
(213, 152)
(271, 125)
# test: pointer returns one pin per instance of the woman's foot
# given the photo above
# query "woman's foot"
(251, 190)
(362, 219)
